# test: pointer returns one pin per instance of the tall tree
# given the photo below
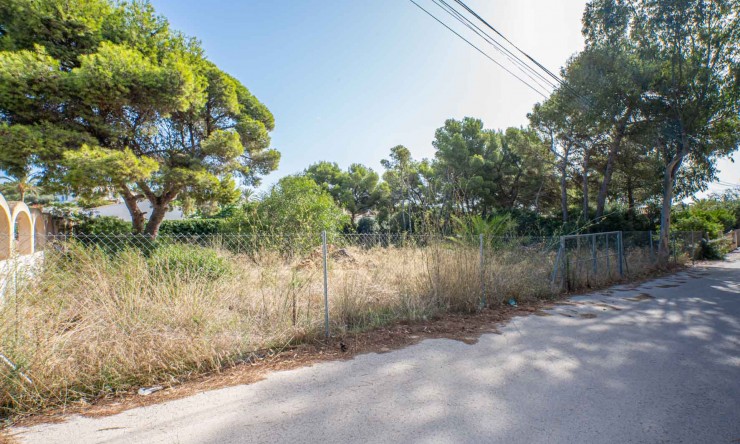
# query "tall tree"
(553, 120)
(109, 99)
(694, 102)
(355, 190)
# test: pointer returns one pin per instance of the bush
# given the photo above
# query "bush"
(189, 260)
(192, 227)
(713, 250)
(368, 225)
(298, 206)
(713, 221)
(103, 226)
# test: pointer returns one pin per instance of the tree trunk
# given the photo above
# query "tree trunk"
(564, 186)
(630, 199)
(586, 159)
(537, 198)
(159, 210)
(609, 169)
(137, 216)
(669, 181)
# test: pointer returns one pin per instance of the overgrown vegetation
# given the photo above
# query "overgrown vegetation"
(92, 321)
(121, 105)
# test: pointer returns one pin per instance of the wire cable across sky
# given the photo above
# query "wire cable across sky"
(485, 54)
(534, 74)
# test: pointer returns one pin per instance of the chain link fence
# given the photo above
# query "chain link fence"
(89, 314)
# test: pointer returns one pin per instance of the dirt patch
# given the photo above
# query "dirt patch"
(464, 328)
(343, 256)
(335, 254)
(7, 439)
(667, 285)
(587, 315)
(640, 297)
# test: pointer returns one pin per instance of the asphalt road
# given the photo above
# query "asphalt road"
(663, 368)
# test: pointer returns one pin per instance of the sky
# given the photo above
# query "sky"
(347, 80)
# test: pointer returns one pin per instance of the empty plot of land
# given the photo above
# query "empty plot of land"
(657, 362)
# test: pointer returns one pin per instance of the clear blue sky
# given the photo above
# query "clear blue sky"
(349, 79)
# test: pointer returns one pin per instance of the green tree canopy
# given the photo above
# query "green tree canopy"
(104, 97)
(298, 205)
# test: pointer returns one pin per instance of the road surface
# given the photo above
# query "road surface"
(657, 363)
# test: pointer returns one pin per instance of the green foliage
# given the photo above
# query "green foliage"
(297, 205)
(483, 170)
(21, 184)
(494, 226)
(193, 227)
(103, 226)
(713, 221)
(729, 200)
(368, 225)
(95, 171)
(712, 250)
(189, 261)
(102, 96)
(356, 190)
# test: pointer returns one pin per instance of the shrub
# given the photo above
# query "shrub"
(713, 221)
(103, 225)
(192, 227)
(189, 260)
(298, 206)
(713, 250)
(368, 225)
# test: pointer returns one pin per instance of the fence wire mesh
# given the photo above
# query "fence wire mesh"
(82, 313)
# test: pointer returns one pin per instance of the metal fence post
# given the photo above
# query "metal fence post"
(608, 259)
(593, 254)
(620, 248)
(693, 248)
(650, 235)
(564, 265)
(557, 264)
(482, 273)
(326, 284)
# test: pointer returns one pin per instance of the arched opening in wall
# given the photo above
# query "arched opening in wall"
(6, 238)
(39, 232)
(23, 232)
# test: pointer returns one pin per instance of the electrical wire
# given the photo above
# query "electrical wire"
(530, 72)
(478, 49)
(565, 85)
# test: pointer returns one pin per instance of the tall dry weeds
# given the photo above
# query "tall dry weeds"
(89, 322)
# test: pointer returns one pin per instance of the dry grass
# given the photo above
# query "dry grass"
(88, 322)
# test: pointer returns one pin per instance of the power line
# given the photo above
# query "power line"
(522, 65)
(542, 67)
(519, 63)
(568, 88)
(478, 49)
